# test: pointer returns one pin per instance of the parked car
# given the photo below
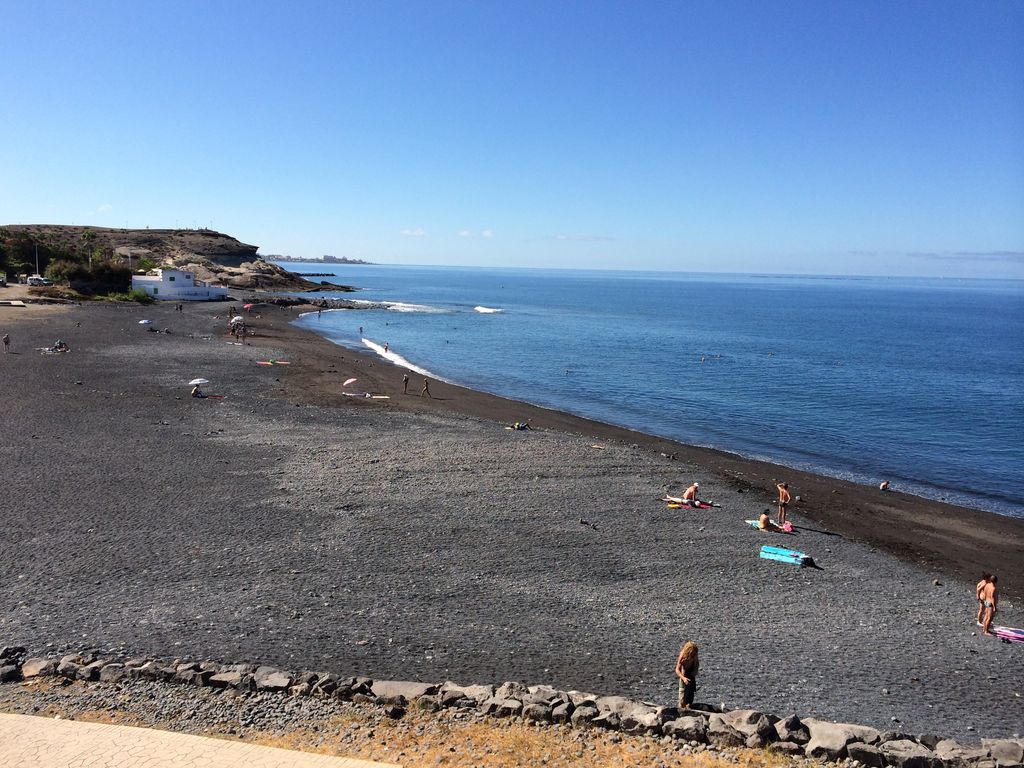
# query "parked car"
(38, 280)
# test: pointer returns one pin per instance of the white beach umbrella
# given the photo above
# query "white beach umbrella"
(195, 382)
(145, 322)
(349, 381)
(236, 319)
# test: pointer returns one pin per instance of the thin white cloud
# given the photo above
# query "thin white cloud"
(104, 208)
(471, 233)
(418, 232)
(585, 238)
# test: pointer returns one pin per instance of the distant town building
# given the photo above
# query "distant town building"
(176, 285)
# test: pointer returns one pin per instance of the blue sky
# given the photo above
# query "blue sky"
(803, 137)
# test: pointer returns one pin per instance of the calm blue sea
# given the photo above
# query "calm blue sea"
(917, 381)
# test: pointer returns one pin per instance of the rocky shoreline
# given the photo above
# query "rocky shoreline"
(688, 731)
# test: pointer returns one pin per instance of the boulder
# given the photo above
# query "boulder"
(10, 673)
(271, 679)
(326, 684)
(38, 667)
(905, 753)
(786, 748)
(226, 680)
(584, 714)
(687, 728)
(579, 698)
(13, 655)
(409, 691)
(865, 754)
(722, 734)
(68, 669)
(199, 677)
(641, 720)
(829, 740)
(511, 690)
(620, 705)
(607, 719)
(453, 692)
(113, 673)
(754, 726)
(1004, 751)
(537, 712)
(91, 671)
(957, 756)
(429, 703)
(791, 729)
(562, 713)
(153, 670)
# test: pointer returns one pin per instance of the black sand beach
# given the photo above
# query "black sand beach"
(417, 539)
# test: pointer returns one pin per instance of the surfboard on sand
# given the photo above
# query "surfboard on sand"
(272, 362)
(1009, 634)
(784, 555)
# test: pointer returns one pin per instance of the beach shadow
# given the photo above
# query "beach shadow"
(816, 530)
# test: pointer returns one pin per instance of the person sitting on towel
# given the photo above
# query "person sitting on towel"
(764, 522)
(690, 495)
(197, 392)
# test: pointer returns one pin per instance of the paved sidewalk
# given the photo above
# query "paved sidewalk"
(40, 742)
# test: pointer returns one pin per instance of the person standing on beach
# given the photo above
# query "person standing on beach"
(687, 666)
(7, 342)
(979, 591)
(990, 602)
(784, 498)
(405, 383)
(426, 389)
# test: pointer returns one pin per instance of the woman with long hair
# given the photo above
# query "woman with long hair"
(687, 666)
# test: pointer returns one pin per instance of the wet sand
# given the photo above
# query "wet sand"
(416, 538)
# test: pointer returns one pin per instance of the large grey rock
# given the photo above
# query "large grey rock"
(91, 671)
(113, 673)
(68, 669)
(38, 667)
(786, 748)
(829, 740)
(958, 756)
(791, 729)
(687, 728)
(13, 655)
(584, 714)
(271, 679)
(562, 712)
(10, 673)
(865, 753)
(578, 698)
(607, 719)
(391, 689)
(754, 726)
(1004, 751)
(537, 712)
(620, 705)
(511, 690)
(453, 692)
(226, 680)
(722, 734)
(905, 753)
(641, 720)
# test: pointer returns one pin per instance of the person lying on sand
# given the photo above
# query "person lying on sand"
(519, 425)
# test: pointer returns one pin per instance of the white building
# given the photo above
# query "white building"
(175, 285)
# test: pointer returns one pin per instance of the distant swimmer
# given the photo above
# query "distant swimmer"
(702, 358)
(784, 499)
(386, 347)
(360, 330)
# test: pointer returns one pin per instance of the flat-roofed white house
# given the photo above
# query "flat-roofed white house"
(176, 285)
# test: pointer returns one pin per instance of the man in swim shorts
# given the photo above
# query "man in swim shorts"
(990, 601)
(979, 591)
(784, 498)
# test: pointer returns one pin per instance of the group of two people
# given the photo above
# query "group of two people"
(988, 601)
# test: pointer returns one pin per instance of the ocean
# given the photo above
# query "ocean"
(917, 381)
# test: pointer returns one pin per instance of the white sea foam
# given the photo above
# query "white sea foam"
(314, 312)
(393, 357)
(398, 306)
(486, 310)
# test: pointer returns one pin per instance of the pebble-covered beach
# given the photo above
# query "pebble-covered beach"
(289, 525)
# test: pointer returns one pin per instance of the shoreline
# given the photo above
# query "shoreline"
(950, 539)
(416, 539)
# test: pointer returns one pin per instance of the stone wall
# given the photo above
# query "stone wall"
(703, 725)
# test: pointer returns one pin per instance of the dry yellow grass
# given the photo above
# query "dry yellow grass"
(421, 739)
